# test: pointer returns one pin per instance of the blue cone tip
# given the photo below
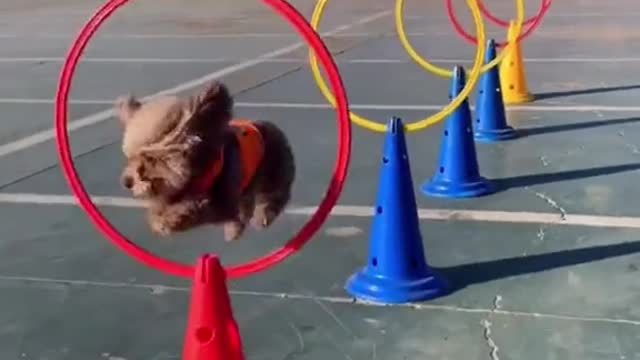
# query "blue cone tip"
(457, 81)
(395, 124)
(490, 53)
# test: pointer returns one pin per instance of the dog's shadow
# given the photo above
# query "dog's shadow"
(462, 276)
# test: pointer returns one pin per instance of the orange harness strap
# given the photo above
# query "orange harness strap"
(251, 147)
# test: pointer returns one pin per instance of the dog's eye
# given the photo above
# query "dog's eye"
(142, 173)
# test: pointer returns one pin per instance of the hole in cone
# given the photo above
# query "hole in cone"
(441, 169)
(374, 262)
(204, 334)
(385, 160)
(379, 209)
(414, 264)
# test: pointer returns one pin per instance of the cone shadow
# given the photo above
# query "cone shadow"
(546, 178)
(464, 275)
(576, 126)
(596, 90)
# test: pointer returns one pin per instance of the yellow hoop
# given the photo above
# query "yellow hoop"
(421, 124)
(437, 70)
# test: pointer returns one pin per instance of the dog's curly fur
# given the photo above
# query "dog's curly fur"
(169, 142)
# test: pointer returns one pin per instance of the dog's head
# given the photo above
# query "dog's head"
(163, 137)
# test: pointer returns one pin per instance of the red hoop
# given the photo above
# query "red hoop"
(535, 23)
(502, 23)
(291, 15)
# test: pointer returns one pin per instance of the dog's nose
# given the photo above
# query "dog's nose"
(127, 181)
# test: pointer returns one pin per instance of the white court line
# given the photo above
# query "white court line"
(162, 288)
(49, 134)
(551, 14)
(559, 108)
(383, 107)
(298, 60)
(378, 107)
(157, 36)
(519, 217)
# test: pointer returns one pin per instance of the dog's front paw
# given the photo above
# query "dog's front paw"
(263, 217)
(233, 230)
(141, 188)
(160, 228)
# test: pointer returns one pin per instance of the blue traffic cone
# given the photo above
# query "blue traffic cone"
(397, 271)
(491, 121)
(458, 174)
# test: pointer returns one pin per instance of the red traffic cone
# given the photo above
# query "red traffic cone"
(212, 332)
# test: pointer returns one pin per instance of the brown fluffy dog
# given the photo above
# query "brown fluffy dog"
(187, 159)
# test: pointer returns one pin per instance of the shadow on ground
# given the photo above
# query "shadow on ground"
(546, 178)
(478, 273)
(575, 126)
(597, 90)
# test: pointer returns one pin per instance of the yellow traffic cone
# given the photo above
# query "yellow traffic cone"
(513, 80)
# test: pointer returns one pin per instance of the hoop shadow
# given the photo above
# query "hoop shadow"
(557, 94)
(469, 274)
(545, 178)
(576, 126)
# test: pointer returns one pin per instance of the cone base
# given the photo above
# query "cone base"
(448, 189)
(520, 98)
(489, 136)
(369, 286)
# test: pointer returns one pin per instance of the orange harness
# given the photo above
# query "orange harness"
(251, 148)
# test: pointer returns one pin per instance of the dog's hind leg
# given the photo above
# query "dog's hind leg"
(276, 176)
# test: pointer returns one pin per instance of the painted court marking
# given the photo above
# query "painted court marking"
(93, 119)
(284, 60)
(159, 36)
(96, 118)
(285, 105)
(563, 108)
(161, 289)
(146, 36)
(518, 217)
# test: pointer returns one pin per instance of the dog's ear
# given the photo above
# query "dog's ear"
(125, 107)
(213, 108)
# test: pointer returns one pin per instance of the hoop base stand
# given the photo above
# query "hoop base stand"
(397, 271)
(212, 332)
(513, 78)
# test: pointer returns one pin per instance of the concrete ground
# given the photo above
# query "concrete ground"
(547, 268)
